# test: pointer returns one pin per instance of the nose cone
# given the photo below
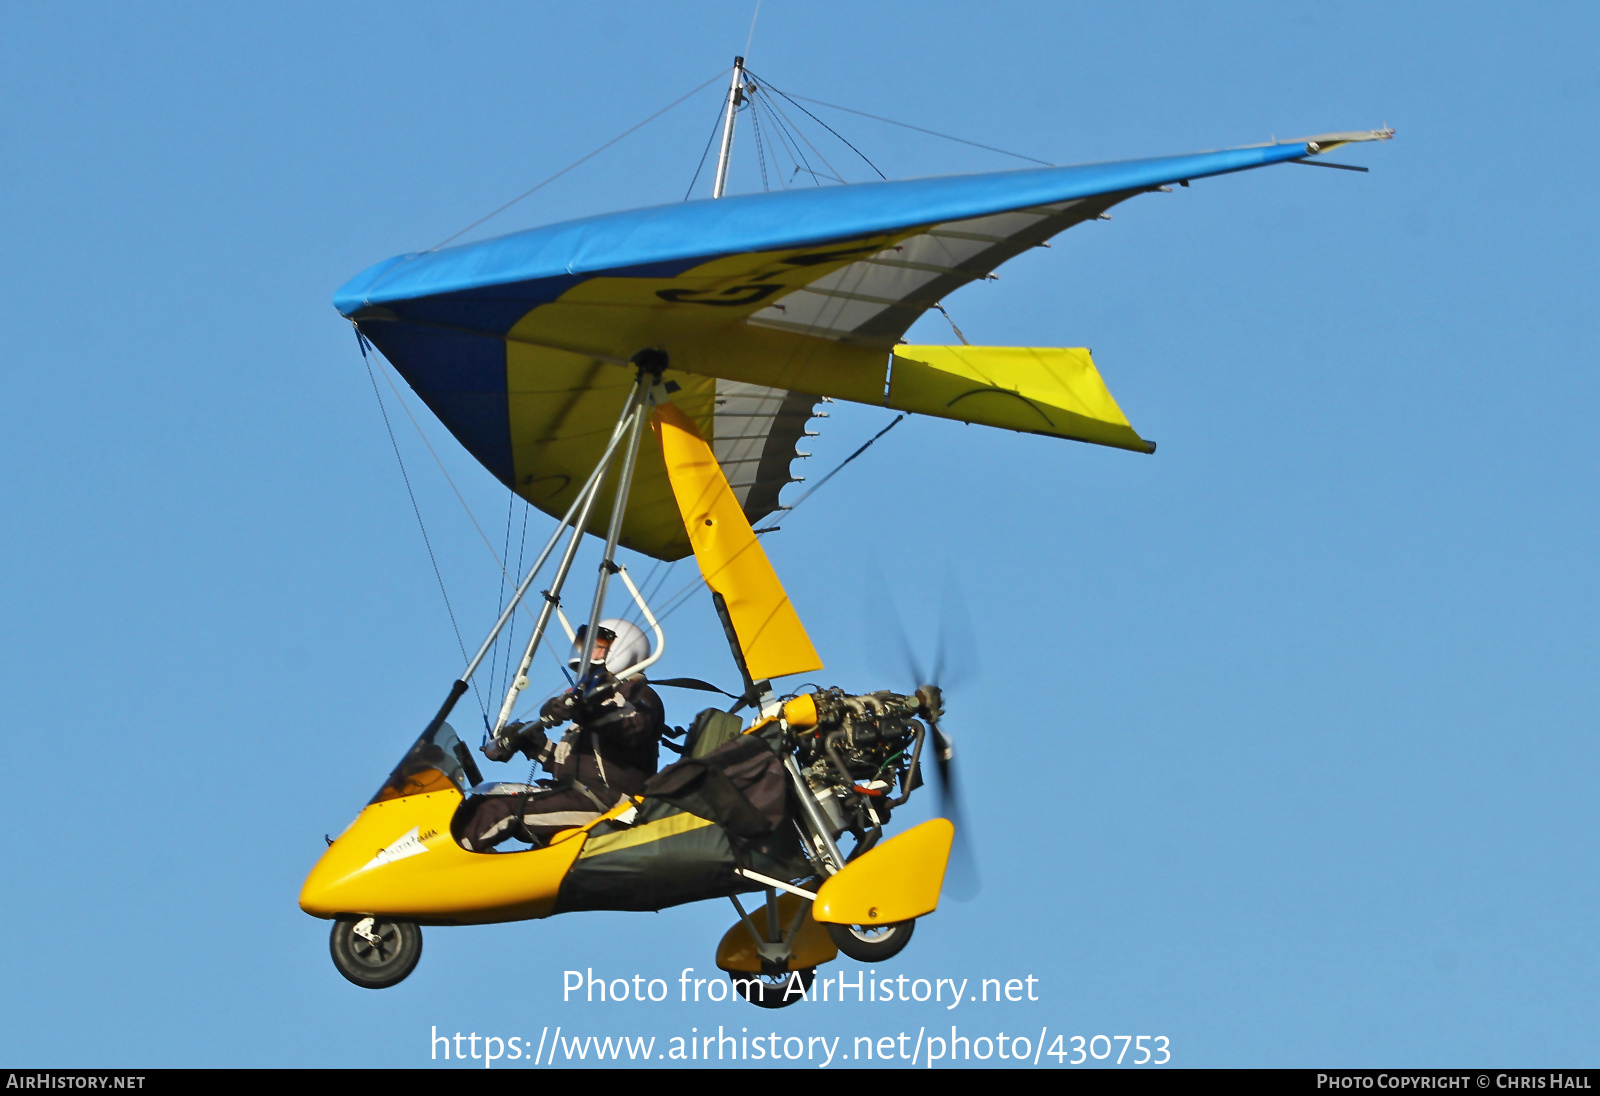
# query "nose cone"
(373, 866)
(338, 882)
(398, 859)
(320, 894)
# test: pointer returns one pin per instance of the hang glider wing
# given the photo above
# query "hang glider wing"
(763, 303)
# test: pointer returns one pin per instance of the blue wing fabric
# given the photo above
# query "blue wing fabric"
(488, 286)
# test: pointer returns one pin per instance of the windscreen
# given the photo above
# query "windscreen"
(436, 762)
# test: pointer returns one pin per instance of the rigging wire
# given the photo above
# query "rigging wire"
(716, 125)
(782, 139)
(580, 160)
(681, 596)
(415, 509)
(837, 174)
(778, 142)
(544, 641)
(501, 668)
(499, 654)
(827, 127)
(792, 144)
(523, 605)
(919, 129)
(761, 155)
(650, 594)
(751, 37)
(511, 626)
(789, 138)
(447, 478)
(816, 175)
(839, 468)
(522, 552)
(940, 306)
(511, 637)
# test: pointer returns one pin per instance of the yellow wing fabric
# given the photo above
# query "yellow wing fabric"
(1039, 390)
(732, 561)
(562, 406)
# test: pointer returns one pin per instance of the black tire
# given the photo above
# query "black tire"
(375, 965)
(768, 990)
(871, 943)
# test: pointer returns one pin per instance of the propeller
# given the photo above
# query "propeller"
(955, 661)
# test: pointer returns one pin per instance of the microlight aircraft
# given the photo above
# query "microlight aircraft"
(661, 364)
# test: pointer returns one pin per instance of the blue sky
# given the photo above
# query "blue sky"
(1283, 746)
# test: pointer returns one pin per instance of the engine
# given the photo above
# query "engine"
(861, 755)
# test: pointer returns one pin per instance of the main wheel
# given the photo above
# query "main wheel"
(375, 952)
(773, 990)
(871, 943)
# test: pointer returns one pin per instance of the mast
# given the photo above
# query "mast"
(632, 421)
(735, 97)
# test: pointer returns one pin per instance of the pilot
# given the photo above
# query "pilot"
(610, 750)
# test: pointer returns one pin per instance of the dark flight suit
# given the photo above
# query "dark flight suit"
(610, 752)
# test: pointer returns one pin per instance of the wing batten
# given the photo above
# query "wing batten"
(890, 290)
(761, 427)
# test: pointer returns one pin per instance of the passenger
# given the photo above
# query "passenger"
(610, 751)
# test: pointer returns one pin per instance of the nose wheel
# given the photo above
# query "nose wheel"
(375, 952)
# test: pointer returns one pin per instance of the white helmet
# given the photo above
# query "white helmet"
(629, 648)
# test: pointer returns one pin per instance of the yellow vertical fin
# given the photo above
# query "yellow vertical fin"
(731, 559)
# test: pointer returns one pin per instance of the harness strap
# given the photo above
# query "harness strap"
(595, 799)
